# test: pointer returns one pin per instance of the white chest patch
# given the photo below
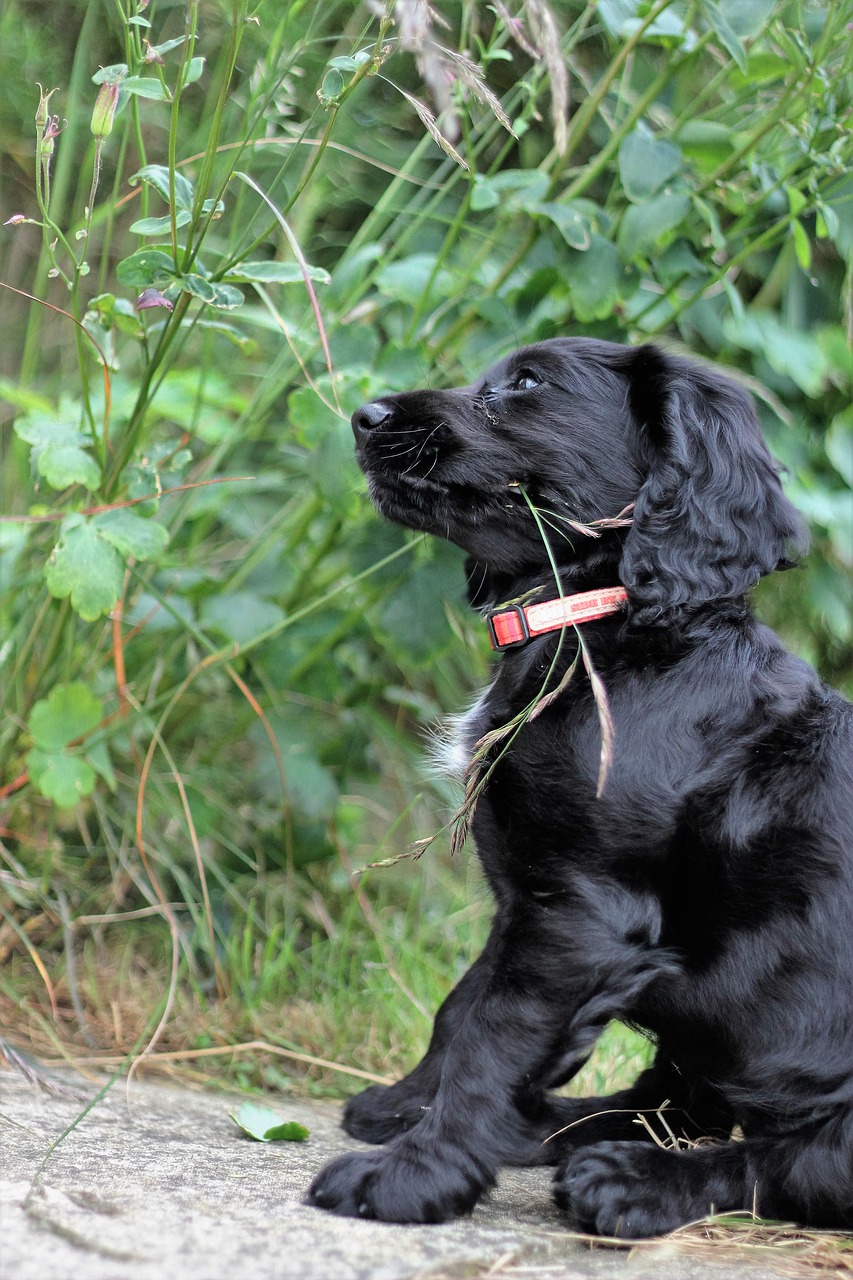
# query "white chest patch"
(454, 739)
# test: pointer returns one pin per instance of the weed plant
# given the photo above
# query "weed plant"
(226, 228)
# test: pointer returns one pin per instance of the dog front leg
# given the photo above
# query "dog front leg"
(538, 1010)
(382, 1112)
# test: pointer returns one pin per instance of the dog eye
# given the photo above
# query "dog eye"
(524, 380)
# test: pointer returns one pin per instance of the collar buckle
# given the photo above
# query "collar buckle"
(508, 628)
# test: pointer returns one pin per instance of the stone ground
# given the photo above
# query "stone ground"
(156, 1181)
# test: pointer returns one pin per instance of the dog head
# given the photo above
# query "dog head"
(572, 431)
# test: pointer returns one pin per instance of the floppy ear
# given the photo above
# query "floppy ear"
(711, 517)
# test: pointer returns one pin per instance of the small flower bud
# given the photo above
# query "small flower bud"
(52, 130)
(152, 298)
(42, 113)
(104, 111)
(15, 220)
(152, 54)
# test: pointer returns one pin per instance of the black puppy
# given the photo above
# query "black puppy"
(701, 886)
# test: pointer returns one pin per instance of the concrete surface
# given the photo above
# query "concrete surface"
(156, 1181)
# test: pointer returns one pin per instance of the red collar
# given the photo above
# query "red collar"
(515, 625)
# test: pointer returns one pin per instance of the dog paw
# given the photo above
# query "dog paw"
(619, 1189)
(399, 1184)
(380, 1114)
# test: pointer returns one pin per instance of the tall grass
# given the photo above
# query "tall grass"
(230, 227)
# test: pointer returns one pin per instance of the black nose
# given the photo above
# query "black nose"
(371, 416)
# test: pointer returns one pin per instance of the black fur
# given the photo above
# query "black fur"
(707, 895)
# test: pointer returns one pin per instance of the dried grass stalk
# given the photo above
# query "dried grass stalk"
(546, 35)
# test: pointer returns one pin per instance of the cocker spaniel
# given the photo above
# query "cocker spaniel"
(663, 810)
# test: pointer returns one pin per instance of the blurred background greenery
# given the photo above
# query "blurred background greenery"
(218, 666)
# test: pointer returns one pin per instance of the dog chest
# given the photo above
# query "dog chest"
(455, 738)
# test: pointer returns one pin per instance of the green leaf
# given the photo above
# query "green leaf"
(60, 776)
(802, 247)
(645, 225)
(262, 1124)
(483, 194)
(84, 567)
(46, 429)
(709, 213)
(573, 224)
(59, 448)
(146, 268)
(623, 18)
(520, 189)
(226, 297)
(838, 203)
(334, 469)
(157, 176)
(66, 464)
(69, 711)
(796, 201)
(408, 279)
(307, 417)
(241, 615)
(160, 468)
(706, 142)
(826, 223)
(198, 287)
(791, 352)
(114, 74)
(728, 37)
(131, 534)
(159, 226)
(332, 86)
(111, 311)
(761, 66)
(146, 87)
(595, 279)
(194, 71)
(276, 273)
(168, 45)
(746, 17)
(98, 757)
(646, 163)
(289, 1131)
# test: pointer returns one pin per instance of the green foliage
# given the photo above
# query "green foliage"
(275, 219)
(58, 771)
(60, 452)
(88, 562)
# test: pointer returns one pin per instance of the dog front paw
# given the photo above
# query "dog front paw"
(619, 1189)
(382, 1113)
(400, 1184)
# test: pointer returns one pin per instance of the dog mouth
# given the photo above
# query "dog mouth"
(409, 499)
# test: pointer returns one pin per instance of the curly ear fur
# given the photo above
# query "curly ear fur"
(711, 517)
